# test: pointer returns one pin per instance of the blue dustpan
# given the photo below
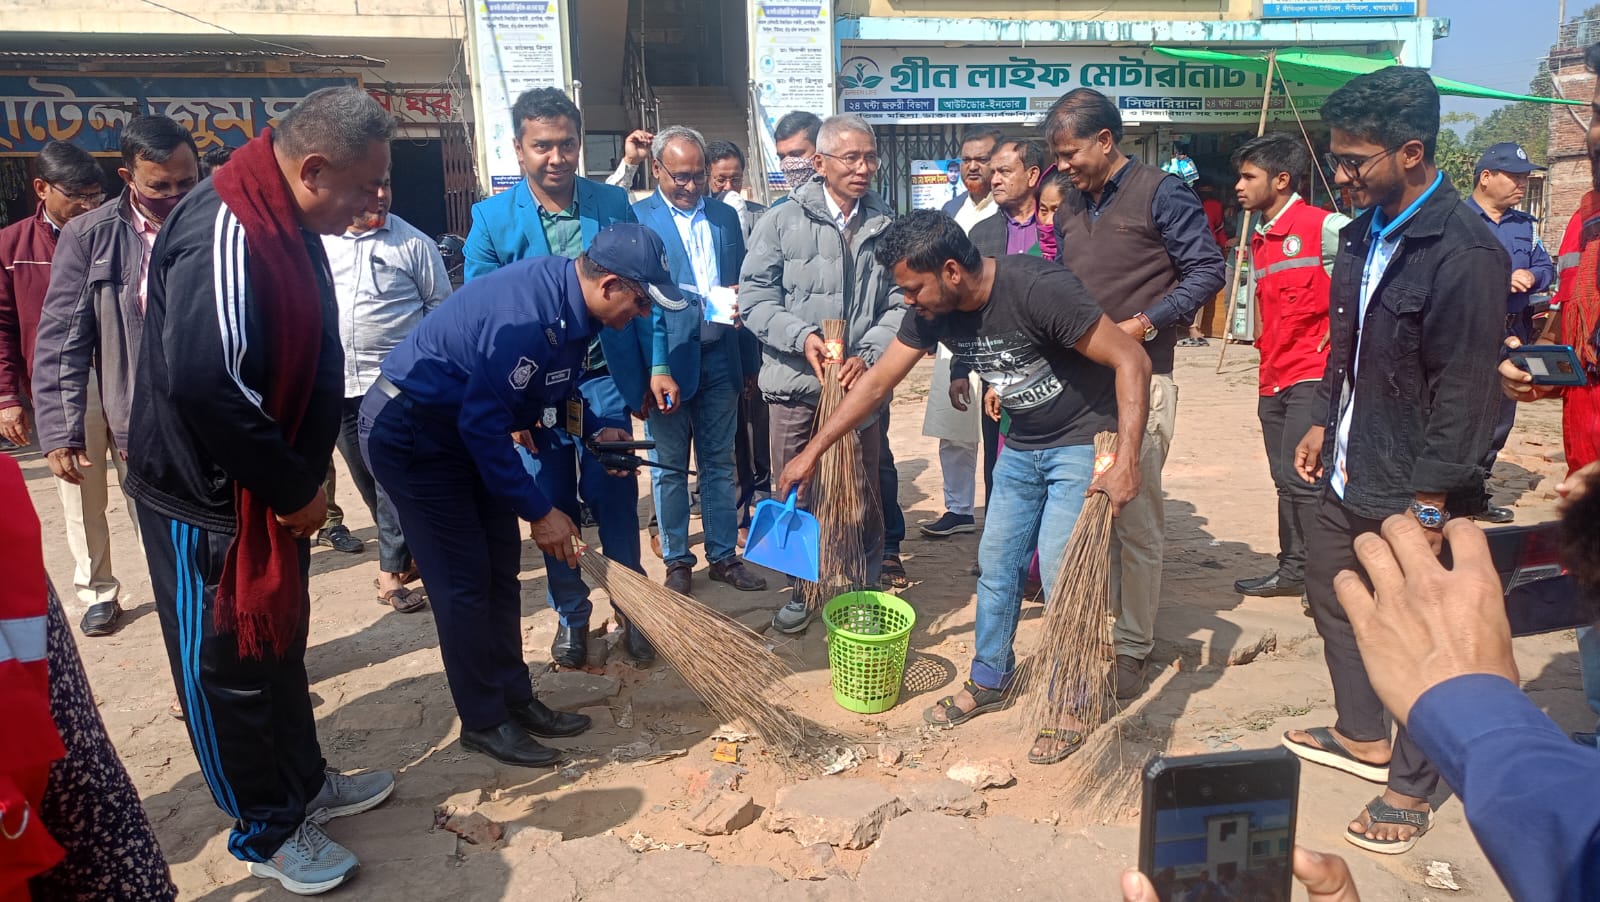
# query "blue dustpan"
(784, 539)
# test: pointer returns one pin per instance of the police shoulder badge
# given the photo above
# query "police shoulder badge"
(522, 373)
(1291, 245)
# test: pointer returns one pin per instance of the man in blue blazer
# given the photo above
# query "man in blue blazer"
(697, 371)
(552, 212)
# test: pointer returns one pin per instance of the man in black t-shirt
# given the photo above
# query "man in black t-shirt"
(1064, 372)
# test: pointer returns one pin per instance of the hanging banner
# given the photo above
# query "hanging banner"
(935, 183)
(791, 64)
(1338, 9)
(91, 110)
(909, 85)
(516, 45)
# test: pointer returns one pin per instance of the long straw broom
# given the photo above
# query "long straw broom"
(1068, 674)
(841, 498)
(724, 662)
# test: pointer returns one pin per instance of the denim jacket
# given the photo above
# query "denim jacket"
(1427, 393)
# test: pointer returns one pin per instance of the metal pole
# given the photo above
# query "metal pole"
(1240, 254)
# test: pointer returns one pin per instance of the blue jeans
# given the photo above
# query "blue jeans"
(1036, 500)
(564, 469)
(710, 418)
(1589, 658)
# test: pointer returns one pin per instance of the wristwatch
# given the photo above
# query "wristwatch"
(1428, 515)
(1150, 330)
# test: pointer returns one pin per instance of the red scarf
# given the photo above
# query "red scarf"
(261, 592)
(31, 740)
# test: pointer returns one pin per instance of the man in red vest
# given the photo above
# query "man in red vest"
(1291, 258)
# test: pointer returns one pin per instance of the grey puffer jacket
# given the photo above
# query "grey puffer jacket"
(796, 275)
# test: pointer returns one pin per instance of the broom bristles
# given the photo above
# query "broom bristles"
(724, 662)
(841, 498)
(1068, 674)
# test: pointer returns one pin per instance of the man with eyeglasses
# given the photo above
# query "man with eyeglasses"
(88, 348)
(491, 360)
(696, 369)
(68, 185)
(1405, 408)
(809, 261)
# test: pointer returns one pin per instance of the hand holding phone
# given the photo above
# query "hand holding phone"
(1550, 364)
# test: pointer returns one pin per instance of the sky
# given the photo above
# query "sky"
(1487, 47)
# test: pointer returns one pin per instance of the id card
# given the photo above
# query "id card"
(575, 416)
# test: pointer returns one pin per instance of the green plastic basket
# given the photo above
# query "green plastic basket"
(868, 633)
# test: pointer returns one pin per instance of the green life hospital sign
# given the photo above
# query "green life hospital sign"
(989, 84)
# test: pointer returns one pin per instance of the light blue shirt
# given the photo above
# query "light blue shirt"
(1380, 253)
(694, 230)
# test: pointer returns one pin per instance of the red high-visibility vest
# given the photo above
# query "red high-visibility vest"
(1292, 297)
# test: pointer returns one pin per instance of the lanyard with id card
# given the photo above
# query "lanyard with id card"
(575, 416)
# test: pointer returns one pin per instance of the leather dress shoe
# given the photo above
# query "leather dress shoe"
(637, 645)
(571, 647)
(101, 619)
(539, 719)
(1270, 586)
(680, 578)
(509, 743)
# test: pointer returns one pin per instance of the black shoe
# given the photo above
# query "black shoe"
(571, 648)
(1269, 586)
(101, 619)
(637, 645)
(1496, 515)
(339, 539)
(509, 743)
(948, 525)
(537, 718)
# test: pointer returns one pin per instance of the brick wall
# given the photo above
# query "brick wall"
(1567, 158)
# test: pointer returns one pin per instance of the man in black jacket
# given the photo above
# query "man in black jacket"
(1408, 405)
(205, 450)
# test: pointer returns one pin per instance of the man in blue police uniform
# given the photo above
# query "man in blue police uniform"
(552, 211)
(697, 365)
(504, 353)
(1501, 183)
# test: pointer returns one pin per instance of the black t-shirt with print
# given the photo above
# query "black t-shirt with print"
(1021, 342)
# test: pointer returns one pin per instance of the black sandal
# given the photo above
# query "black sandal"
(1072, 738)
(893, 573)
(1381, 812)
(985, 700)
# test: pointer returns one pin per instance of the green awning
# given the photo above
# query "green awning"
(1329, 68)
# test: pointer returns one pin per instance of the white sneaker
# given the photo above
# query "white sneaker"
(308, 863)
(342, 795)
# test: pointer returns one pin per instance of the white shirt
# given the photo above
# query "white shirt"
(1385, 241)
(385, 279)
(971, 214)
(694, 230)
(837, 212)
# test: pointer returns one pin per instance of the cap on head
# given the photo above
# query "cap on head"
(634, 252)
(1507, 157)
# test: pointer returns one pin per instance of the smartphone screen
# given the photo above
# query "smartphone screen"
(1220, 827)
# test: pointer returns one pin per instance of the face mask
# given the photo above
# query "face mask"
(159, 208)
(733, 199)
(796, 171)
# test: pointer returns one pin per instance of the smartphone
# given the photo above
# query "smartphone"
(1550, 364)
(1541, 597)
(1220, 826)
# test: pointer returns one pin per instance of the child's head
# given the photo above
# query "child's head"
(1052, 191)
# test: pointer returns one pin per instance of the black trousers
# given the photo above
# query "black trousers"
(1285, 419)
(1329, 546)
(467, 541)
(894, 519)
(249, 721)
(752, 454)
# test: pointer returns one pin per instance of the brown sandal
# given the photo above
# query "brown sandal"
(404, 600)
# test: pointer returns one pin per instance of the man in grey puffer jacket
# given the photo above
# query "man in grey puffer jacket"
(812, 260)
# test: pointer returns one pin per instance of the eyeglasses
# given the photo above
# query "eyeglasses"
(641, 297)
(856, 160)
(1351, 165)
(683, 179)
(90, 198)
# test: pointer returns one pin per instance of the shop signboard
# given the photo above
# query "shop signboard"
(1013, 84)
(935, 183)
(517, 45)
(91, 110)
(1338, 9)
(791, 61)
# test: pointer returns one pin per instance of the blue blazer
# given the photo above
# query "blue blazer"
(506, 228)
(674, 339)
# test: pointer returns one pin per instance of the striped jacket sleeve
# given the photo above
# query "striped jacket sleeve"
(217, 362)
(1567, 260)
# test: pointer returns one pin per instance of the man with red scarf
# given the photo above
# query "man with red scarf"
(239, 390)
(1576, 322)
